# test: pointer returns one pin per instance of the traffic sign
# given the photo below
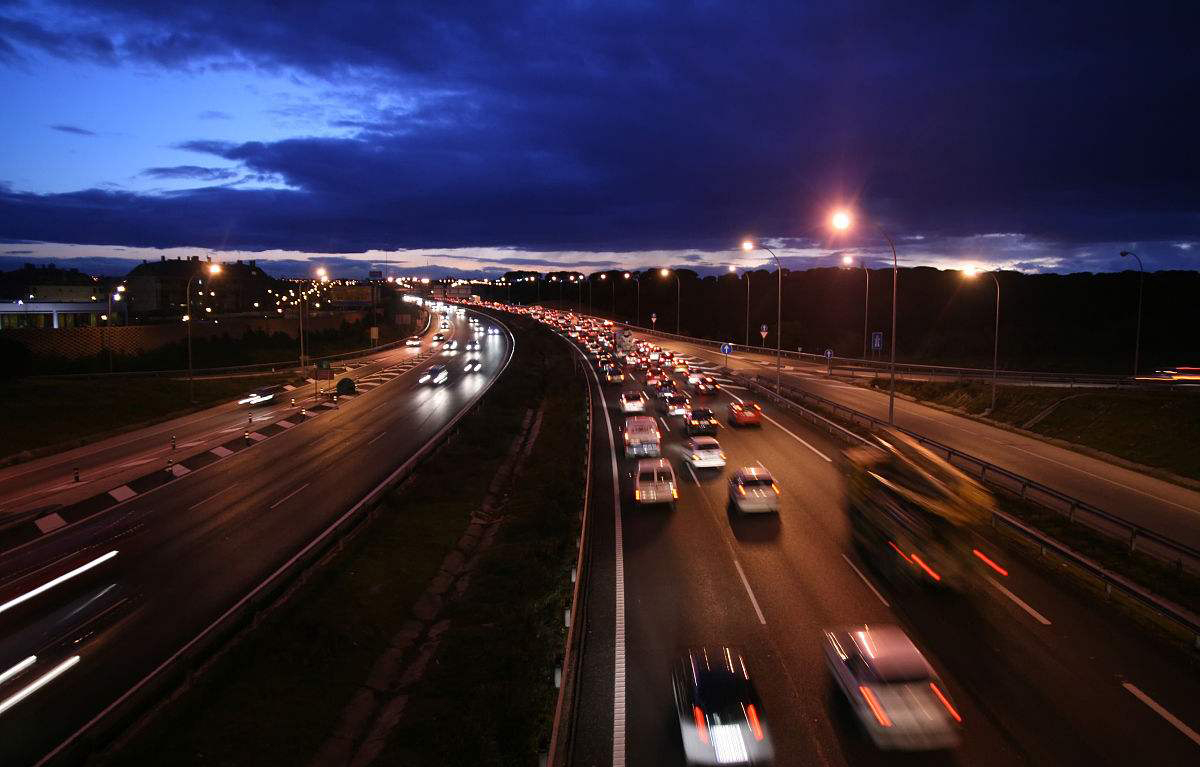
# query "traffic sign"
(762, 331)
(829, 354)
(726, 348)
(877, 341)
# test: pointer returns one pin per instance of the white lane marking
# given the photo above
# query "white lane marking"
(138, 462)
(221, 451)
(1019, 602)
(376, 437)
(122, 493)
(691, 471)
(209, 498)
(49, 523)
(289, 495)
(664, 423)
(60, 579)
(285, 423)
(870, 585)
(753, 601)
(18, 668)
(179, 470)
(731, 386)
(1188, 732)
(798, 439)
(38, 683)
(256, 436)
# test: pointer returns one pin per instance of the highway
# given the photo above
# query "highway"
(190, 549)
(1164, 507)
(1039, 675)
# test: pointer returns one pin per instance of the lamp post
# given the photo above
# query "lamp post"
(108, 318)
(665, 272)
(604, 276)
(848, 261)
(733, 270)
(213, 269)
(970, 273)
(841, 221)
(638, 287)
(1137, 339)
(748, 246)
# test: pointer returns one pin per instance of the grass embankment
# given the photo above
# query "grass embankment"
(278, 694)
(1149, 427)
(43, 412)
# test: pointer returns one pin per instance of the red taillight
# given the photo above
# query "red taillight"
(898, 551)
(701, 725)
(876, 709)
(755, 727)
(989, 562)
(742, 489)
(775, 487)
(926, 568)
(945, 702)
(674, 492)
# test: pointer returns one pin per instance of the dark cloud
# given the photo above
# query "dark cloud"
(73, 129)
(194, 172)
(639, 126)
(214, 114)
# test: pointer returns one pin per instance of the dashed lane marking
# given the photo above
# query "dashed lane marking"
(753, 601)
(122, 493)
(870, 585)
(50, 523)
(1018, 601)
(221, 451)
(1188, 732)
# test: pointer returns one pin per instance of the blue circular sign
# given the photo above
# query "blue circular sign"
(726, 348)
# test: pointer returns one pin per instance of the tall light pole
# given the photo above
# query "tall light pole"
(841, 221)
(108, 318)
(970, 273)
(733, 270)
(213, 269)
(604, 276)
(638, 286)
(1137, 339)
(665, 272)
(848, 261)
(748, 245)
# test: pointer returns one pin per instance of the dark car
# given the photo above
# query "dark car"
(721, 718)
(704, 386)
(700, 421)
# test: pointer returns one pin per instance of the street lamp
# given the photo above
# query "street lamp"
(638, 287)
(733, 270)
(748, 245)
(970, 273)
(841, 221)
(1137, 339)
(214, 270)
(603, 277)
(848, 261)
(665, 272)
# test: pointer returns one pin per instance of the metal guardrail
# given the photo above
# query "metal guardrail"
(91, 738)
(1180, 616)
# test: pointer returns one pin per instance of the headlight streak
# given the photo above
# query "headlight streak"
(60, 579)
(37, 684)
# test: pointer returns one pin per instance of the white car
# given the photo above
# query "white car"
(704, 453)
(472, 366)
(413, 341)
(443, 325)
(493, 330)
(753, 489)
(894, 691)
(654, 482)
(450, 347)
(633, 401)
(435, 375)
(642, 437)
(472, 346)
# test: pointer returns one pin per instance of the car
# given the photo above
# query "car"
(704, 453)
(438, 338)
(680, 366)
(450, 347)
(745, 414)
(655, 378)
(262, 394)
(894, 692)
(471, 346)
(614, 374)
(700, 421)
(413, 341)
(642, 437)
(752, 489)
(493, 330)
(654, 482)
(719, 712)
(675, 404)
(664, 389)
(437, 374)
(694, 377)
(633, 401)
(444, 325)
(705, 386)
(472, 366)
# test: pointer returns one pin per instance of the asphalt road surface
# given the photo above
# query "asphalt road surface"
(1039, 675)
(189, 550)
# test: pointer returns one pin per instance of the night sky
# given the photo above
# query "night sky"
(480, 136)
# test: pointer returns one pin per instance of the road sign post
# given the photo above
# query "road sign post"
(877, 342)
(762, 331)
(829, 362)
(653, 319)
(726, 349)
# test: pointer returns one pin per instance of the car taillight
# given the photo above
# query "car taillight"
(722, 454)
(945, 702)
(775, 487)
(873, 703)
(701, 724)
(674, 492)
(755, 726)
(637, 495)
(742, 489)
(695, 456)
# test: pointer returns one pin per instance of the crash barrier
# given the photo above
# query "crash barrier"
(1139, 538)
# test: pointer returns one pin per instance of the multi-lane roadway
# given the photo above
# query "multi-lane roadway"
(1040, 675)
(190, 549)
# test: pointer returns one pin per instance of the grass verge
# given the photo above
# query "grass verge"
(275, 696)
(1149, 427)
(43, 412)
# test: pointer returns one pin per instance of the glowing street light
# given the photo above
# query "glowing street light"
(748, 245)
(969, 273)
(638, 288)
(847, 261)
(213, 270)
(665, 272)
(841, 220)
